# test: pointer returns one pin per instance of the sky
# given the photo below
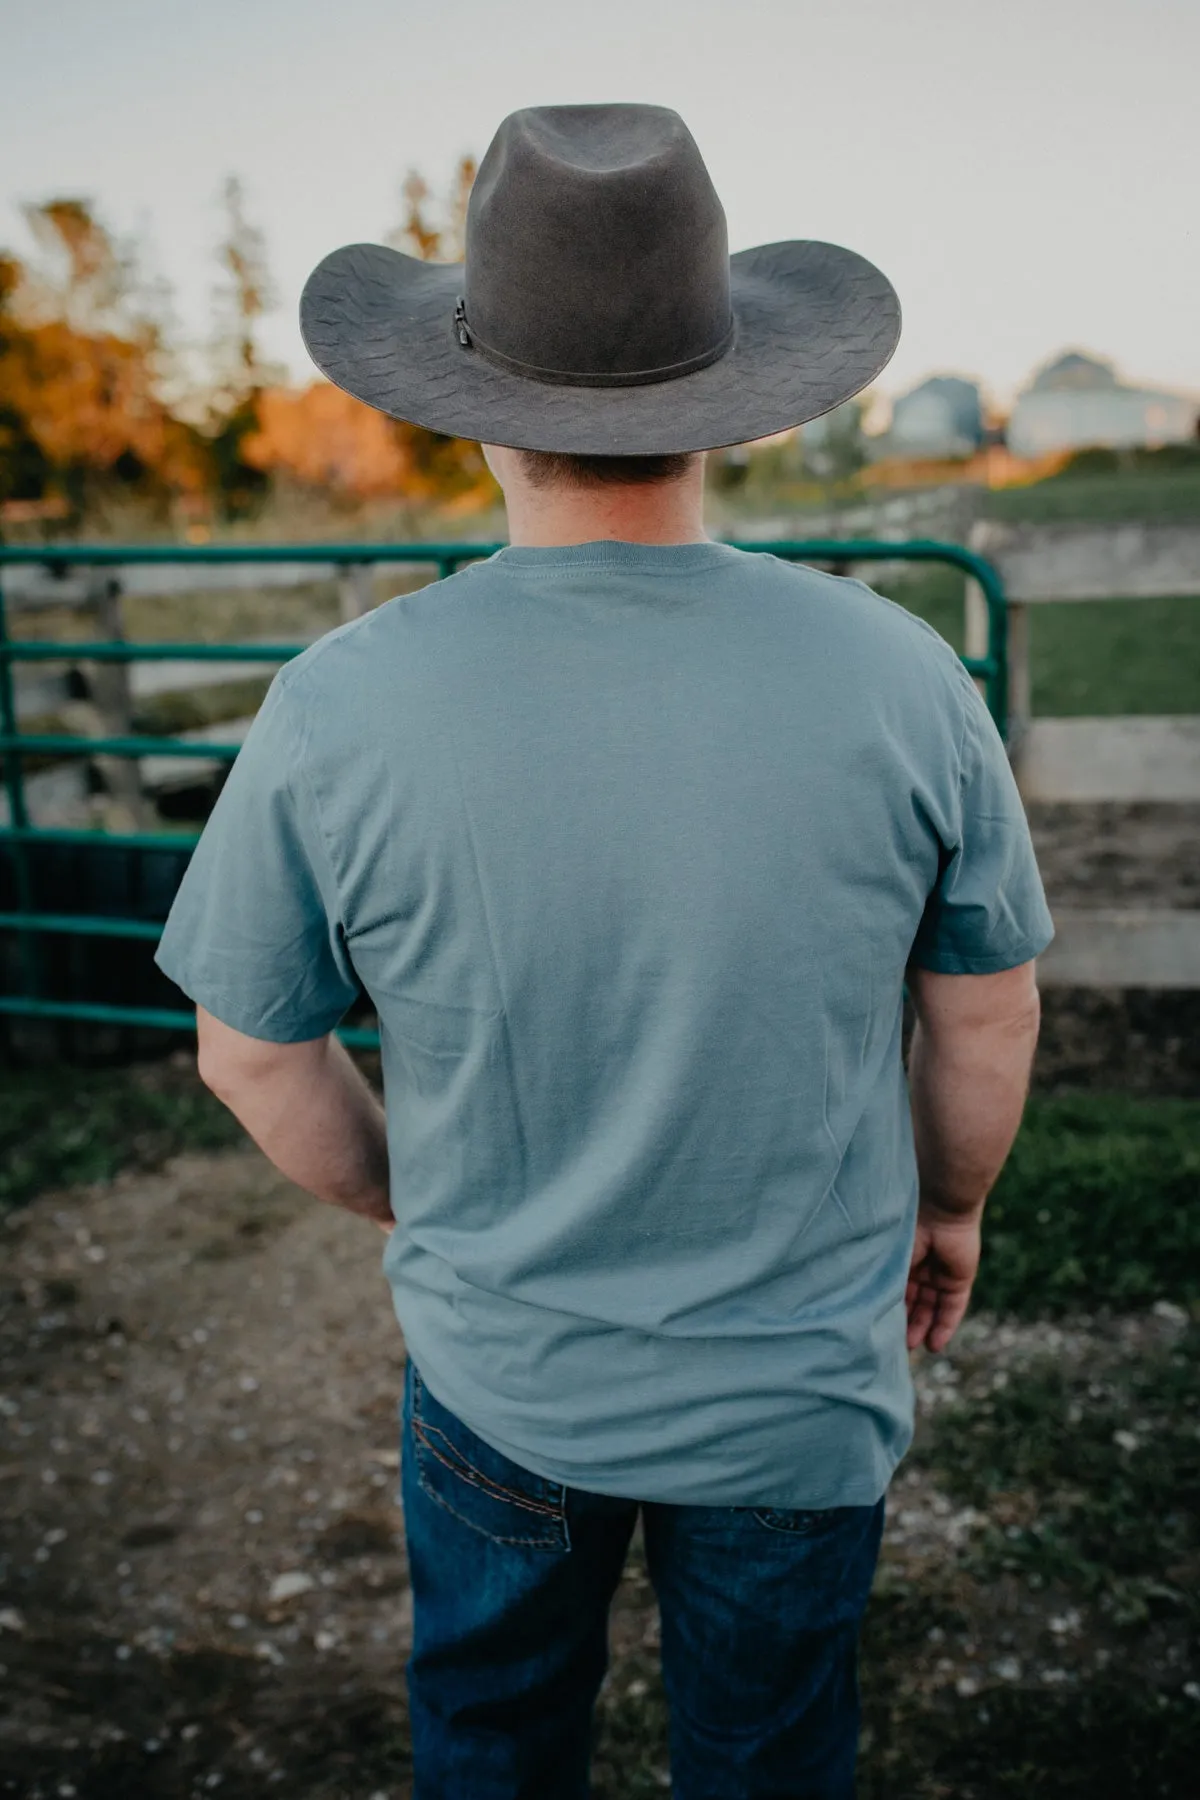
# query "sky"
(1024, 171)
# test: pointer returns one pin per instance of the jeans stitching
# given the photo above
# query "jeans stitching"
(555, 1537)
(546, 1541)
(475, 1477)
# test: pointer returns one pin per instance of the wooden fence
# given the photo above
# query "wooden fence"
(1129, 759)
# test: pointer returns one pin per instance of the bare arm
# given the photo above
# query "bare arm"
(969, 1066)
(308, 1108)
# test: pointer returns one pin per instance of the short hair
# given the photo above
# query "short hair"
(554, 468)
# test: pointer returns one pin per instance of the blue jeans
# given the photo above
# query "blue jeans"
(512, 1577)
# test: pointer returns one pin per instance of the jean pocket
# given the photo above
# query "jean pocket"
(799, 1521)
(482, 1487)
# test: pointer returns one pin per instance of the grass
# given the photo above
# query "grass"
(1096, 1206)
(1115, 1735)
(935, 594)
(1149, 494)
(1092, 1454)
(54, 1132)
(1090, 658)
(1099, 657)
(1109, 1739)
(1088, 1476)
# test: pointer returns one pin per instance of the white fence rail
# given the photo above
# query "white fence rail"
(1122, 758)
(1130, 758)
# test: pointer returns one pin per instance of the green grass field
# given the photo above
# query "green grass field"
(1090, 657)
(1146, 493)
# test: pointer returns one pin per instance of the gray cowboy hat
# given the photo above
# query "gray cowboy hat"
(597, 309)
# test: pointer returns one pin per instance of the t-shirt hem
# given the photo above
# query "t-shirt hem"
(656, 1487)
(951, 962)
(223, 1005)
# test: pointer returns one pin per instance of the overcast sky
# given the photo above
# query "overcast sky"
(1025, 171)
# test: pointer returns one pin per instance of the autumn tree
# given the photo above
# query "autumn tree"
(320, 437)
(440, 235)
(435, 230)
(25, 469)
(81, 364)
(92, 397)
(243, 295)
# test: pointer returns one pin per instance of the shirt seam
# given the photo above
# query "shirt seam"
(962, 739)
(711, 556)
(560, 569)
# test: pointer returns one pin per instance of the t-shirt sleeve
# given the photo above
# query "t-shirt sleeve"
(254, 934)
(988, 908)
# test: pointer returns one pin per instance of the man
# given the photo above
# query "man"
(632, 839)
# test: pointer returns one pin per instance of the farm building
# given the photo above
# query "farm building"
(940, 417)
(1077, 401)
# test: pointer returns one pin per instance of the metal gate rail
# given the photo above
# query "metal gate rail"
(838, 553)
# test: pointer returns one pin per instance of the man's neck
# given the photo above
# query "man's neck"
(664, 513)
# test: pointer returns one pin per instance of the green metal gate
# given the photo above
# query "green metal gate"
(19, 839)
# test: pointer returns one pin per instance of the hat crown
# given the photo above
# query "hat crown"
(596, 245)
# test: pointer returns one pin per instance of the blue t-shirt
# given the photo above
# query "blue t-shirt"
(629, 846)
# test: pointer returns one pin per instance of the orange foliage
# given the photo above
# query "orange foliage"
(323, 437)
(85, 362)
(80, 370)
(88, 399)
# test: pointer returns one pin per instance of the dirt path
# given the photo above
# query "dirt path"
(201, 1370)
(203, 1583)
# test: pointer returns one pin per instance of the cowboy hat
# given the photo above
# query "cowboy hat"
(597, 309)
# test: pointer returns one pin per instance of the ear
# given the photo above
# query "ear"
(498, 460)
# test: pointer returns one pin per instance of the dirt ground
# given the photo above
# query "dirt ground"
(203, 1583)
(1111, 853)
(204, 1580)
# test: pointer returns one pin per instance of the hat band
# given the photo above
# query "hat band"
(470, 339)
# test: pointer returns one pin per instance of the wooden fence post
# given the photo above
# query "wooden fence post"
(108, 712)
(1020, 678)
(356, 590)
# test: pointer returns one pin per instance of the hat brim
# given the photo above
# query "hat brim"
(814, 324)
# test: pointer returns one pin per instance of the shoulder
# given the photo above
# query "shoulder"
(345, 647)
(861, 611)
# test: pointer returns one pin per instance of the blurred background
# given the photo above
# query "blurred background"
(171, 175)
(203, 1583)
